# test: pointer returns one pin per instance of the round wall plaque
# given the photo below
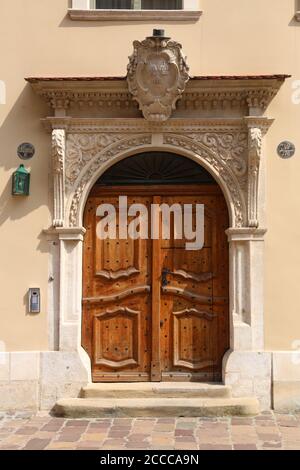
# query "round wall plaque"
(286, 149)
(26, 151)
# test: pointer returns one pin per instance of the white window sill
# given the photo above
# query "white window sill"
(297, 16)
(134, 15)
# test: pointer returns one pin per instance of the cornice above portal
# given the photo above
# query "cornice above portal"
(139, 125)
(109, 96)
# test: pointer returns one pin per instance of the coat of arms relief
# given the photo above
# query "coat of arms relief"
(157, 75)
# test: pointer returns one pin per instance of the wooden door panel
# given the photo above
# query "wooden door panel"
(117, 258)
(134, 327)
(194, 312)
(116, 300)
(117, 334)
(191, 339)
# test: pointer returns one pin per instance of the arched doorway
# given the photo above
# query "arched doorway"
(153, 309)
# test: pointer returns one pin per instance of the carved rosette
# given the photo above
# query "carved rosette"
(254, 158)
(58, 166)
(157, 76)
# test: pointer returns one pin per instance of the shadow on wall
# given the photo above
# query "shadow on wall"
(22, 124)
(293, 21)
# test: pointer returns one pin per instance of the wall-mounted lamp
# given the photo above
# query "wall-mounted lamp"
(21, 182)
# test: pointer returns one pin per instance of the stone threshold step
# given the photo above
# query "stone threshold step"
(155, 407)
(151, 389)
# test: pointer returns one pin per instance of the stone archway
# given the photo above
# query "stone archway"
(232, 155)
(97, 123)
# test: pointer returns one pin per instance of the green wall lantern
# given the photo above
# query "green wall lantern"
(21, 182)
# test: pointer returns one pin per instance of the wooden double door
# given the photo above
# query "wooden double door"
(153, 310)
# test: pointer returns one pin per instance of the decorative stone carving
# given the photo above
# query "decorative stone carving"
(217, 149)
(254, 157)
(58, 165)
(81, 149)
(157, 76)
(131, 143)
(235, 96)
(231, 147)
(221, 169)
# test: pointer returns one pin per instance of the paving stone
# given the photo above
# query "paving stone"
(267, 432)
(86, 448)
(245, 447)
(184, 432)
(9, 448)
(271, 445)
(53, 426)
(27, 431)
(241, 422)
(122, 422)
(185, 439)
(164, 428)
(94, 437)
(37, 444)
(186, 447)
(76, 423)
(159, 448)
(269, 437)
(166, 420)
(214, 447)
(61, 446)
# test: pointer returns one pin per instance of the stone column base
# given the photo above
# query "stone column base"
(249, 373)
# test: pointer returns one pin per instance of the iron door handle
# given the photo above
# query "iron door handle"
(164, 274)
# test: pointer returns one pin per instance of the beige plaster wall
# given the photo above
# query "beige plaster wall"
(232, 37)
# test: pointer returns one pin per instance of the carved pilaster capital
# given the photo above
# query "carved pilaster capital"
(245, 234)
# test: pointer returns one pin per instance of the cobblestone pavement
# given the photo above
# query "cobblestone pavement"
(267, 431)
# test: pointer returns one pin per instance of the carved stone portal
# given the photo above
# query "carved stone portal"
(157, 76)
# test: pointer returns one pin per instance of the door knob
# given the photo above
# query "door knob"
(164, 274)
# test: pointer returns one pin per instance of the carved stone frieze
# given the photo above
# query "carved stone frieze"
(136, 125)
(91, 169)
(221, 99)
(230, 147)
(98, 96)
(157, 76)
(81, 149)
(239, 98)
(221, 169)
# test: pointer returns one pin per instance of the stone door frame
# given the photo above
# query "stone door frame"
(231, 150)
